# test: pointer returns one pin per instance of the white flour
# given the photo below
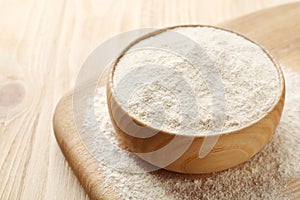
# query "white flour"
(265, 176)
(250, 80)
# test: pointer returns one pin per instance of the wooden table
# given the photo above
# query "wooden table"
(42, 46)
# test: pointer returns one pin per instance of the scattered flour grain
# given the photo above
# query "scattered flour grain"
(265, 176)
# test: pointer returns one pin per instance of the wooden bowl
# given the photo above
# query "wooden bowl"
(231, 149)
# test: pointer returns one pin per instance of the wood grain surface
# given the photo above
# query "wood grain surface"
(42, 47)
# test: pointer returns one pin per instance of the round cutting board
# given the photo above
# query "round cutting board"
(276, 29)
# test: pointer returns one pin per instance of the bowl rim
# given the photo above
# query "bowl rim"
(198, 135)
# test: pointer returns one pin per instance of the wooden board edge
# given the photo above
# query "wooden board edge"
(89, 177)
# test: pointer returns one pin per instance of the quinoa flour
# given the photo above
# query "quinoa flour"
(266, 176)
(249, 78)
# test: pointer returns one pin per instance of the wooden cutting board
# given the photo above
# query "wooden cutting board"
(277, 29)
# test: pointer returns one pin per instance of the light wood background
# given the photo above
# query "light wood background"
(42, 46)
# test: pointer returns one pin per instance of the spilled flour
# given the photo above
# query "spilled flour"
(204, 60)
(265, 176)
